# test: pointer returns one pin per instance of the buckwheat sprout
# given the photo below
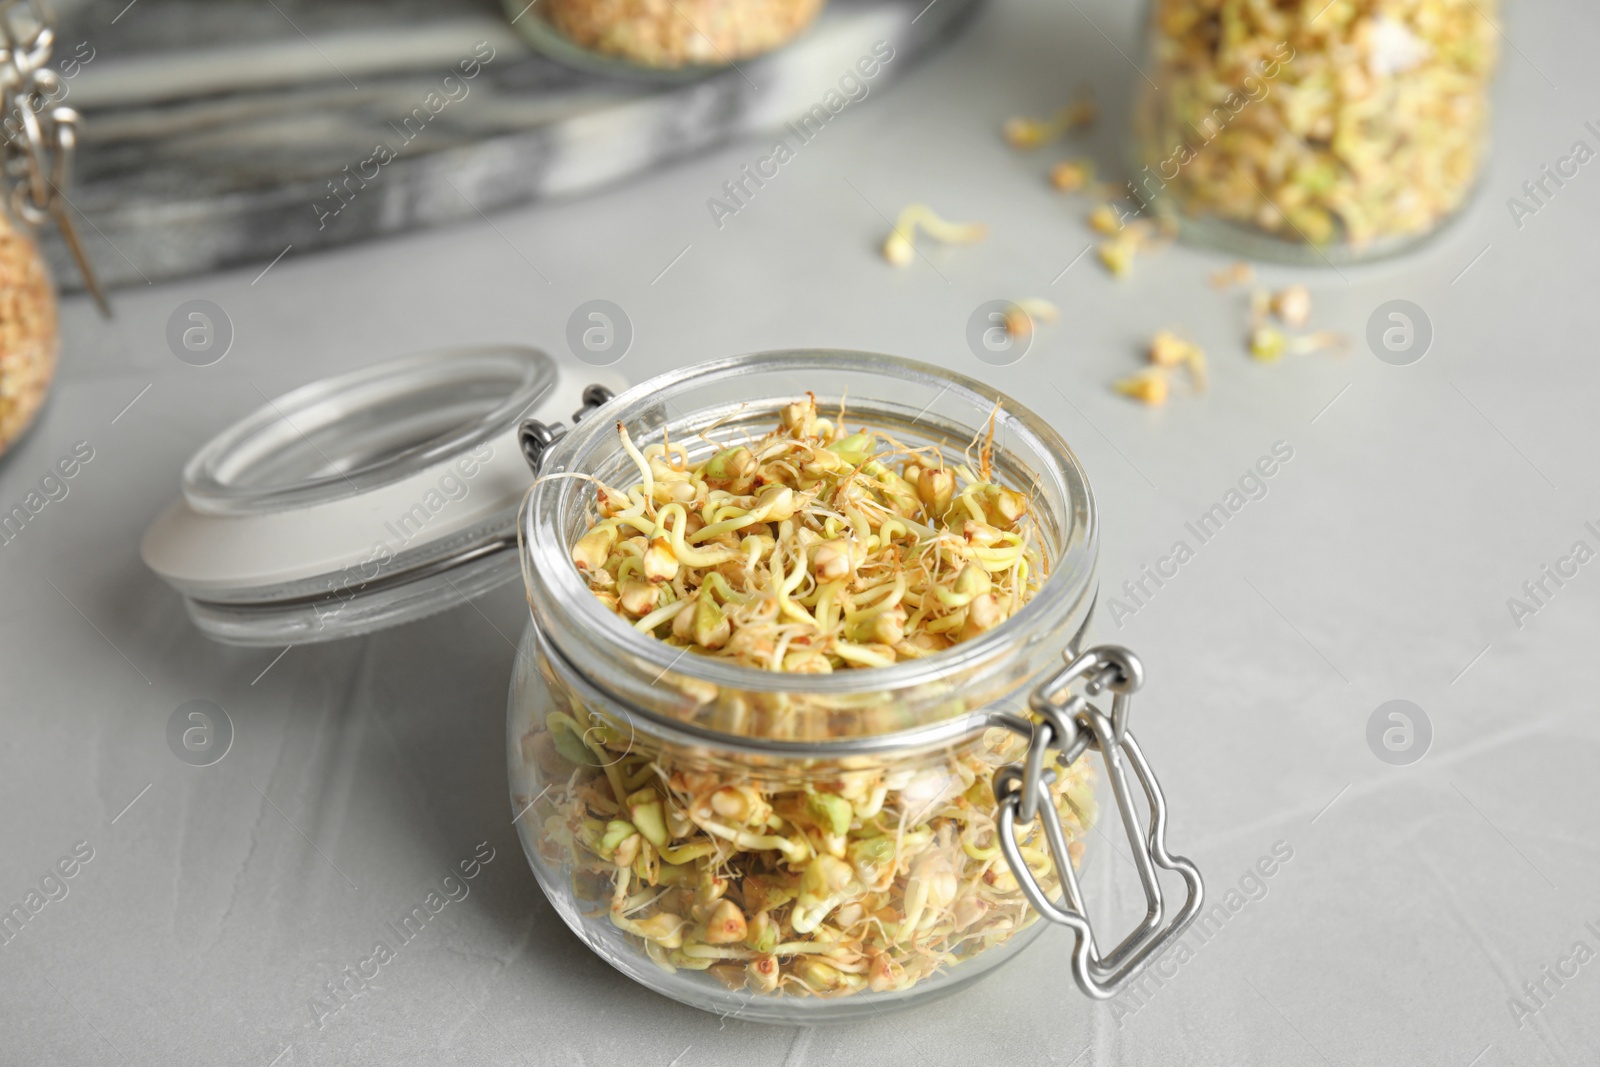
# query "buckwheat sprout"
(1149, 386)
(1168, 350)
(1020, 316)
(1028, 133)
(1268, 343)
(1072, 175)
(900, 246)
(1293, 306)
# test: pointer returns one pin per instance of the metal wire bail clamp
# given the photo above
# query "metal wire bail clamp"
(536, 437)
(1070, 724)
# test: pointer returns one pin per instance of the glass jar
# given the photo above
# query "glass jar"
(1322, 131)
(36, 164)
(796, 847)
(29, 336)
(783, 846)
(675, 41)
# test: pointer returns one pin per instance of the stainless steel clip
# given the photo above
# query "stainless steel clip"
(1069, 724)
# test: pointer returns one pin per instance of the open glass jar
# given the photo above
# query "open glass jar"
(794, 847)
(784, 846)
(656, 40)
(1323, 131)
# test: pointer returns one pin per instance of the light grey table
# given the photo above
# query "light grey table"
(1419, 899)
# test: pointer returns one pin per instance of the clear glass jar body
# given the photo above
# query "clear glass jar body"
(1310, 133)
(30, 339)
(788, 847)
(659, 42)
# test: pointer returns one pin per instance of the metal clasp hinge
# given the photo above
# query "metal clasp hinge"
(536, 437)
(1069, 724)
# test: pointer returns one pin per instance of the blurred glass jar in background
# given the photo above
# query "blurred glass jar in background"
(660, 39)
(1314, 130)
(29, 337)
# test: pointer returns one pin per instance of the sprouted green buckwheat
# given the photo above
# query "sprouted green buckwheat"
(679, 33)
(1345, 122)
(29, 337)
(811, 549)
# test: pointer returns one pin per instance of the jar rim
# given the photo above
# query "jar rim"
(547, 562)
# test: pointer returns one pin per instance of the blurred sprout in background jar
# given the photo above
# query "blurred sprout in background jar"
(1314, 130)
(29, 339)
(35, 173)
(660, 39)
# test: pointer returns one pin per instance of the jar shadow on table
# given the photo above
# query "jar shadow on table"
(439, 688)
(387, 751)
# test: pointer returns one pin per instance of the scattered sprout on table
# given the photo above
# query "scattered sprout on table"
(1021, 315)
(1129, 235)
(1168, 350)
(1117, 254)
(1149, 386)
(1106, 219)
(1026, 133)
(1168, 353)
(1236, 273)
(1072, 175)
(1268, 343)
(899, 248)
(1293, 306)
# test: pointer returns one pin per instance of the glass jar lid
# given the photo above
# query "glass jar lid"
(361, 501)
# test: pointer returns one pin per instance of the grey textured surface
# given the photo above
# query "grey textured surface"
(1378, 567)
